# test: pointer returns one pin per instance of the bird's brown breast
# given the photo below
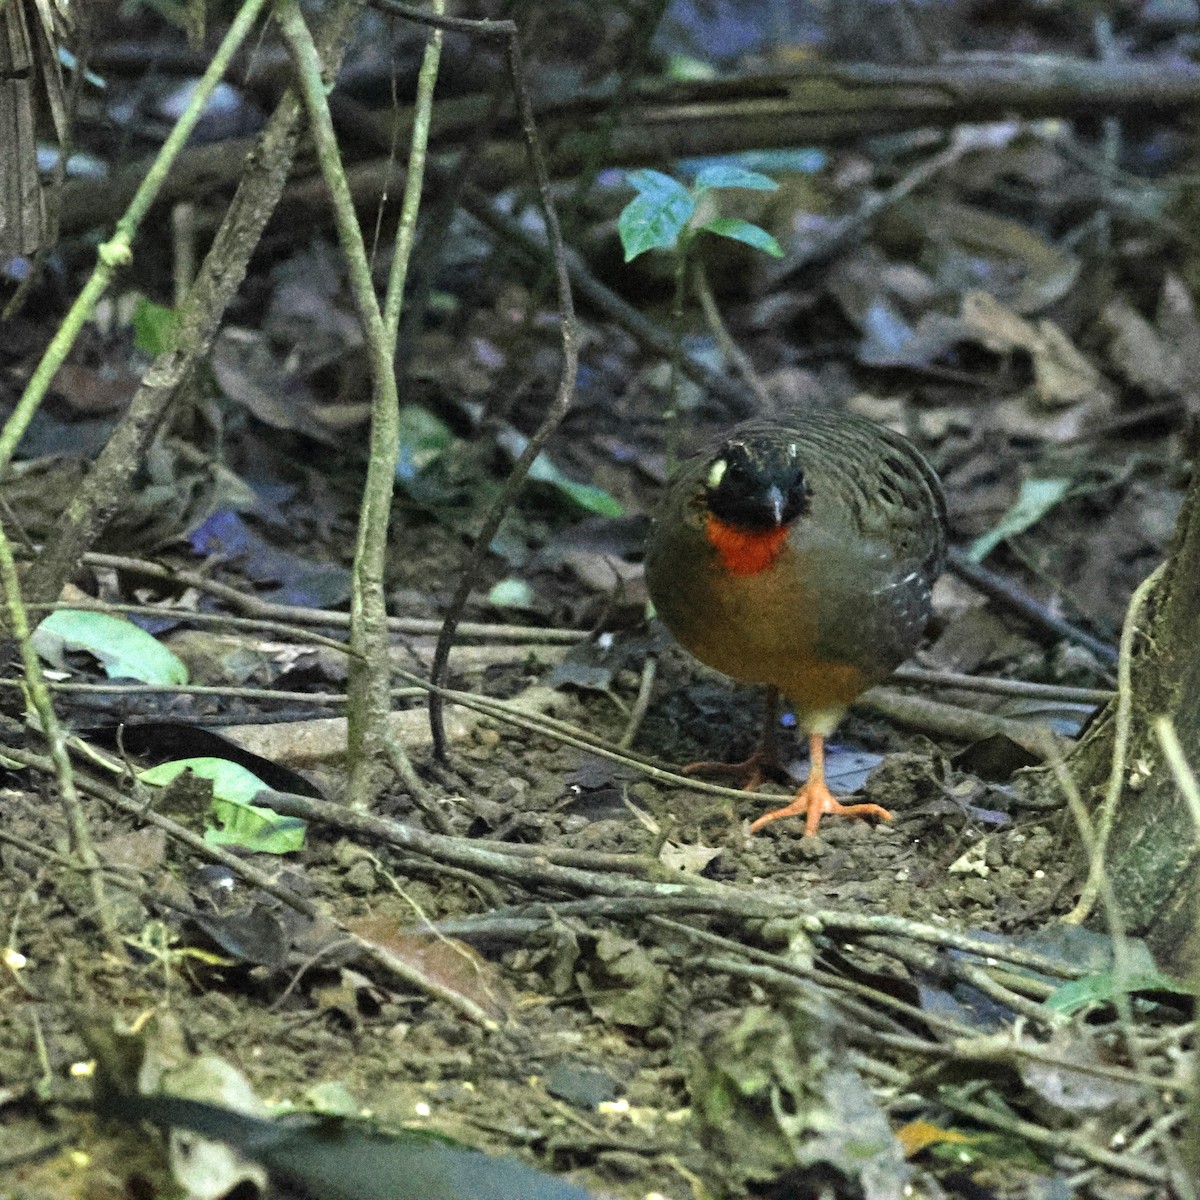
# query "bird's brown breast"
(832, 604)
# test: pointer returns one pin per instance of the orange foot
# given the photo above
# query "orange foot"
(814, 799)
(747, 774)
(764, 762)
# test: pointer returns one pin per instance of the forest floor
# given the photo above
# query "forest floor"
(659, 1003)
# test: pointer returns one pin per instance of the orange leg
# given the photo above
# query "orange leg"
(814, 798)
(763, 762)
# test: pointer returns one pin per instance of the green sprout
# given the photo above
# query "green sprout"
(666, 215)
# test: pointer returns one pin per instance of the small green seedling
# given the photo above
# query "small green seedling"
(666, 215)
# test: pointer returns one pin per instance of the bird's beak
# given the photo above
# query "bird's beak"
(775, 501)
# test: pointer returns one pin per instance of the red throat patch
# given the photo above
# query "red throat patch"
(744, 552)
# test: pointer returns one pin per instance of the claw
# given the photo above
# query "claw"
(747, 774)
(764, 762)
(814, 799)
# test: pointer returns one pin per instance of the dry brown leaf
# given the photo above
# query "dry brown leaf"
(1063, 377)
(95, 390)
(690, 859)
(449, 965)
(1137, 352)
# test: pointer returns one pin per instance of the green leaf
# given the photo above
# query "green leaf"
(1102, 987)
(240, 823)
(593, 499)
(990, 1149)
(124, 650)
(730, 175)
(1037, 497)
(683, 67)
(586, 495)
(155, 327)
(231, 781)
(657, 216)
(744, 231)
(423, 439)
(655, 183)
(511, 593)
(543, 470)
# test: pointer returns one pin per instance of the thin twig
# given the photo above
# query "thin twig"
(553, 418)
(849, 229)
(732, 352)
(918, 931)
(1122, 721)
(406, 773)
(1031, 1010)
(507, 862)
(866, 1018)
(439, 20)
(641, 704)
(369, 679)
(39, 697)
(948, 720)
(1005, 592)
(996, 686)
(183, 243)
(1176, 759)
(520, 921)
(301, 616)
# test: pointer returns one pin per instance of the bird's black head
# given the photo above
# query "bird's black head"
(756, 486)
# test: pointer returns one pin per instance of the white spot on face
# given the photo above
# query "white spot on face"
(793, 450)
(716, 473)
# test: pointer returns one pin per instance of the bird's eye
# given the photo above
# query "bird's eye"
(716, 473)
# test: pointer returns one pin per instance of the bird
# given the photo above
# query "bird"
(799, 551)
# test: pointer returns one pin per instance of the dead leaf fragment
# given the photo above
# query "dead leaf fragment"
(1062, 375)
(920, 1135)
(622, 983)
(446, 965)
(690, 859)
(1137, 352)
(1062, 1094)
(92, 391)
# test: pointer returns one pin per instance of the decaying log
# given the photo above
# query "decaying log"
(822, 106)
